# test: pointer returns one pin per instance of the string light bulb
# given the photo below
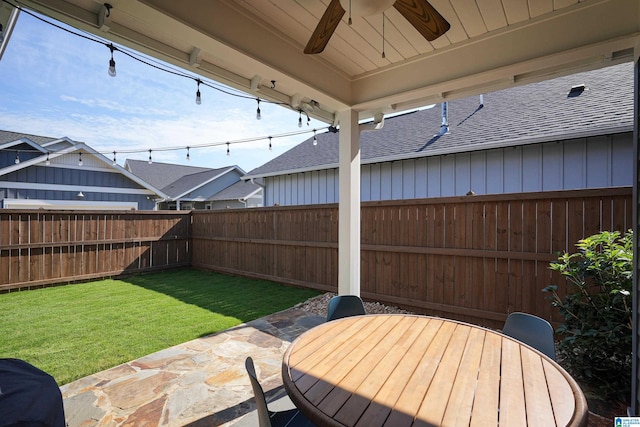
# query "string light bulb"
(315, 138)
(80, 163)
(300, 119)
(112, 62)
(228, 152)
(150, 161)
(114, 159)
(188, 156)
(198, 97)
(47, 162)
(270, 147)
(17, 160)
(258, 115)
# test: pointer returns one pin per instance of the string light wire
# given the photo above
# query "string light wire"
(149, 62)
(162, 67)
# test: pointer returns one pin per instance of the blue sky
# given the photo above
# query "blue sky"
(56, 84)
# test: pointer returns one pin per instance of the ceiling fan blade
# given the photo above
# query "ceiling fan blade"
(325, 28)
(423, 17)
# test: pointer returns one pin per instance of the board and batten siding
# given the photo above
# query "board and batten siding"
(594, 162)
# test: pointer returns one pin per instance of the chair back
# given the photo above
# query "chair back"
(531, 330)
(344, 306)
(264, 419)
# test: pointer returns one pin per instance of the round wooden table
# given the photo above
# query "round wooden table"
(397, 370)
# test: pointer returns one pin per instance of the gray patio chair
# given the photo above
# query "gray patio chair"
(267, 418)
(531, 330)
(344, 306)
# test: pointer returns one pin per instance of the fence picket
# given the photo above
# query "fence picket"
(473, 258)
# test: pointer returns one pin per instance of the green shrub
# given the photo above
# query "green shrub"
(596, 335)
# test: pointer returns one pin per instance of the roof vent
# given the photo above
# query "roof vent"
(576, 91)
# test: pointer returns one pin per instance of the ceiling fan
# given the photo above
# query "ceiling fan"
(419, 13)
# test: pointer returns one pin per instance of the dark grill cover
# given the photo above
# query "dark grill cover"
(29, 397)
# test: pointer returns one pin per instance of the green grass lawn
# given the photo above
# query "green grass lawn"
(75, 330)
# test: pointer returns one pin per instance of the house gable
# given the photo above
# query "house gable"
(67, 175)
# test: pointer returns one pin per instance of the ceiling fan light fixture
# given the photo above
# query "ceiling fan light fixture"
(358, 8)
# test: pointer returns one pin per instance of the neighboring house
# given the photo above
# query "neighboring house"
(190, 187)
(572, 132)
(39, 172)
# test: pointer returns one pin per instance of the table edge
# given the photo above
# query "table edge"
(579, 419)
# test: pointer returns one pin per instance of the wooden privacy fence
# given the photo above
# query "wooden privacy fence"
(44, 247)
(473, 258)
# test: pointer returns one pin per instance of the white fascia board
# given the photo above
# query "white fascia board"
(84, 188)
(66, 204)
(119, 168)
(248, 196)
(10, 144)
(293, 171)
(191, 190)
(59, 140)
(89, 150)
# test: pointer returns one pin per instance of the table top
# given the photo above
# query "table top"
(400, 370)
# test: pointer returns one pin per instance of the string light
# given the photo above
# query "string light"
(315, 139)
(176, 148)
(300, 119)
(112, 62)
(258, 115)
(17, 160)
(47, 162)
(198, 98)
(150, 161)
(157, 65)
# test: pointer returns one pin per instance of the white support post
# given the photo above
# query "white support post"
(349, 205)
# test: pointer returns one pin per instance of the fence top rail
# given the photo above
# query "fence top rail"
(91, 212)
(546, 195)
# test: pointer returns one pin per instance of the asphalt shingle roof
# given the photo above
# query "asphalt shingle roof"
(189, 182)
(161, 175)
(9, 136)
(239, 190)
(521, 115)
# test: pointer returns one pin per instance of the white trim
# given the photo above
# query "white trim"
(191, 190)
(66, 204)
(84, 188)
(7, 145)
(84, 167)
(90, 151)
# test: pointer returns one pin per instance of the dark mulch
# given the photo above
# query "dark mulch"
(602, 413)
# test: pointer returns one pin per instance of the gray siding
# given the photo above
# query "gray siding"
(602, 161)
(68, 176)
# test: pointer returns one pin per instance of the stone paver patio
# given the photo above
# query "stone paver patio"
(198, 383)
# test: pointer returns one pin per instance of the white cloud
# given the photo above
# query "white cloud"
(60, 87)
